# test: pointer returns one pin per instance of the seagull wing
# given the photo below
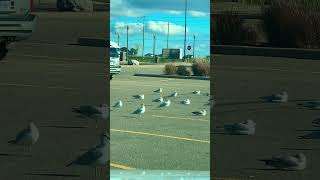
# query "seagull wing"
(87, 158)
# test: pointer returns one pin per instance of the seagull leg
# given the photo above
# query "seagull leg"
(96, 123)
(96, 172)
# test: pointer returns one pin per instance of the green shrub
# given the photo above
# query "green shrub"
(170, 69)
(293, 23)
(201, 68)
(183, 70)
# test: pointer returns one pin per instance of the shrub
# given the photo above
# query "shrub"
(201, 68)
(183, 70)
(170, 69)
(293, 23)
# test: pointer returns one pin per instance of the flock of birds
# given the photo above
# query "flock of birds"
(96, 157)
(163, 102)
(281, 162)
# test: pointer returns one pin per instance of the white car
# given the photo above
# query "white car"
(115, 66)
(16, 23)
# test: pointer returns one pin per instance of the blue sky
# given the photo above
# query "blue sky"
(157, 15)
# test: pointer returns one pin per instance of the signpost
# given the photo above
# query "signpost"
(189, 48)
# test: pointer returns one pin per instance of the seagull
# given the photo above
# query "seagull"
(140, 96)
(165, 103)
(95, 157)
(186, 101)
(100, 112)
(27, 137)
(160, 99)
(200, 113)
(175, 94)
(196, 92)
(281, 97)
(315, 105)
(118, 104)
(244, 128)
(140, 110)
(158, 90)
(287, 162)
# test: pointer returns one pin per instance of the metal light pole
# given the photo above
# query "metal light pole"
(194, 45)
(185, 31)
(143, 38)
(127, 42)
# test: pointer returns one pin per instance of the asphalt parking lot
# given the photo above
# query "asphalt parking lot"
(168, 138)
(40, 81)
(239, 81)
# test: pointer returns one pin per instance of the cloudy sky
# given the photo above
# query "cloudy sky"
(157, 15)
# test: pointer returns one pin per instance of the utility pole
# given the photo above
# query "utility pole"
(185, 31)
(194, 45)
(154, 46)
(142, 53)
(168, 36)
(118, 39)
(127, 42)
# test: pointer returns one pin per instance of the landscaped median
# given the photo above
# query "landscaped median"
(198, 69)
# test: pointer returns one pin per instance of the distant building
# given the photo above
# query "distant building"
(172, 53)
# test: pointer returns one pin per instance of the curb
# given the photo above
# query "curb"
(312, 54)
(172, 76)
(95, 42)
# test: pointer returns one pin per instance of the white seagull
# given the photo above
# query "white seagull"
(165, 103)
(27, 137)
(100, 112)
(158, 90)
(287, 162)
(186, 101)
(140, 110)
(196, 92)
(245, 128)
(281, 97)
(160, 99)
(175, 94)
(200, 113)
(97, 156)
(118, 104)
(140, 96)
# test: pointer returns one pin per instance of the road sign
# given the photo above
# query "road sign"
(189, 48)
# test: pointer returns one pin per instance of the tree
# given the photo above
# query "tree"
(133, 51)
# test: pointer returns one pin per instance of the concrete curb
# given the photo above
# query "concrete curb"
(95, 42)
(312, 54)
(172, 76)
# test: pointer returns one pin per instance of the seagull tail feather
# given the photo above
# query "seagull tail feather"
(70, 164)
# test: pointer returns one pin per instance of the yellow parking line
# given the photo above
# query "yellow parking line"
(160, 135)
(171, 117)
(121, 166)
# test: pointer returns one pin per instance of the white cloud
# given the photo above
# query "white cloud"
(174, 12)
(161, 27)
(134, 28)
(197, 13)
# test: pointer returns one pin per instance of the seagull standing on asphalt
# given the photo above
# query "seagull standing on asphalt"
(140, 96)
(100, 112)
(118, 104)
(27, 137)
(165, 103)
(96, 157)
(140, 110)
(186, 101)
(196, 92)
(281, 97)
(200, 113)
(158, 90)
(245, 128)
(160, 99)
(287, 162)
(175, 94)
